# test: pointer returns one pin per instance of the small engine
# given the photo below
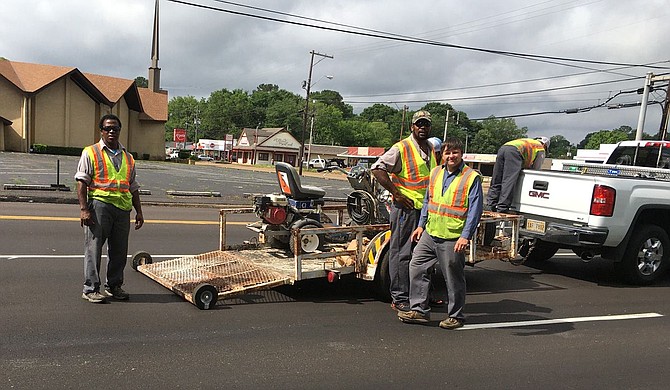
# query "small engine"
(271, 208)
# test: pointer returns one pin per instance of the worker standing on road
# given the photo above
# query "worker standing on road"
(107, 192)
(512, 157)
(451, 211)
(404, 171)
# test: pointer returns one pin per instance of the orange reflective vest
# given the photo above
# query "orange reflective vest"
(447, 212)
(412, 180)
(529, 148)
(107, 184)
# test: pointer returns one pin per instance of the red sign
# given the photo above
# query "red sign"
(179, 135)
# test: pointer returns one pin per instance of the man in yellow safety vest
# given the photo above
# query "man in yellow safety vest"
(512, 157)
(451, 211)
(107, 192)
(404, 171)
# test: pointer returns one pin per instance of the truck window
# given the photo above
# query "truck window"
(647, 156)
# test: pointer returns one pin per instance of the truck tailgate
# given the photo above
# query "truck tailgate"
(555, 195)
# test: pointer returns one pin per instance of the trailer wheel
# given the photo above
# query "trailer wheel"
(382, 281)
(646, 256)
(308, 242)
(541, 251)
(141, 258)
(205, 296)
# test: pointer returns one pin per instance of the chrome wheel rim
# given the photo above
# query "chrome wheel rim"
(650, 256)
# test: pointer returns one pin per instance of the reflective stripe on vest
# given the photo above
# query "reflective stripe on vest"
(447, 212)
(529, 148)
(413, 179)
(107, 184)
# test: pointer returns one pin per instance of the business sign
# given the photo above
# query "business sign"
(179, 135)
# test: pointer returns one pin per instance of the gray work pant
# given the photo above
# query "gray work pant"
(112, 225)
(505, 173)
(403, 222)
(428, 251)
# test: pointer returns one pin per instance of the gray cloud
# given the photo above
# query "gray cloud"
(203, 50)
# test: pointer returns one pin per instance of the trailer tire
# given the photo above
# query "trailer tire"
(382, 281)
(309, 242)
(541, 251)
(141, 258)
(646, 257)
(205, 296)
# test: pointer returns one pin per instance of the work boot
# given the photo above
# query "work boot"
(451, 323)
(94, 297)
(117, 292)
(413, 317)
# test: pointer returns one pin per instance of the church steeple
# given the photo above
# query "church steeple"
(154, 70)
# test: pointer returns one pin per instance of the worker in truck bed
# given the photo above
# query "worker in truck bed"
(522, 153)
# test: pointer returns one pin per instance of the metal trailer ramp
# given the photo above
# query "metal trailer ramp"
(203, 279)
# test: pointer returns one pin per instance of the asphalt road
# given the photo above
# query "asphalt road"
(586, 330)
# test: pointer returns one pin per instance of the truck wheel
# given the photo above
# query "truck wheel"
(541, 251)
(205, 296)
(141, 258)
(646, 256)
(308, 242)
(382, 281)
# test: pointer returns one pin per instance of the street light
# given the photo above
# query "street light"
(308, 85)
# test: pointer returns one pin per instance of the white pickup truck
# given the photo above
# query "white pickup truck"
(619, 210)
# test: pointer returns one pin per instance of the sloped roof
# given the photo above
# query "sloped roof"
(154, 105)
(112, 87)
(31, 78)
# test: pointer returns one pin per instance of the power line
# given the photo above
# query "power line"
(500, 94)
(403, 38)
(490, 85)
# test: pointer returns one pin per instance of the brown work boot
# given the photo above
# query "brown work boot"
(413, 317)
(451, 323)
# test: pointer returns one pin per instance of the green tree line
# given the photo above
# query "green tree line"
(333, 122)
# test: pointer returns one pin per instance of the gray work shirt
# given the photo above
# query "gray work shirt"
(390, 160)
(85, 166)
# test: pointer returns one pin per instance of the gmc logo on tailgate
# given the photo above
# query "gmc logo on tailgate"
(538, 194)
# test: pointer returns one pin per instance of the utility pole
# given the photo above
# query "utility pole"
(305, 112)
(402, 125)
(446, 123)
(663, 130)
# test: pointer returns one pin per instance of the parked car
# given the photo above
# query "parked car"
(202, 157)
(317, 163)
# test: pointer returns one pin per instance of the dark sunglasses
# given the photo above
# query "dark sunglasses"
(107, 129)
(422, 124)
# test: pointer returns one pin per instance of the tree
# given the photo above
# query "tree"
(494, 134)
(333, 98)
(357, 132)
(141, 82)
(182, 113)
(390, 116)
(227, 112)
(559, 147)
(605, 137)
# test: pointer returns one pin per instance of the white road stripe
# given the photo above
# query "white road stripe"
(561, 321)
(39, 257)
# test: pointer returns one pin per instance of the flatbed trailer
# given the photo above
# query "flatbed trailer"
(232, 270)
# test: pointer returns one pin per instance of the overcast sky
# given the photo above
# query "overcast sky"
(203, 50)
